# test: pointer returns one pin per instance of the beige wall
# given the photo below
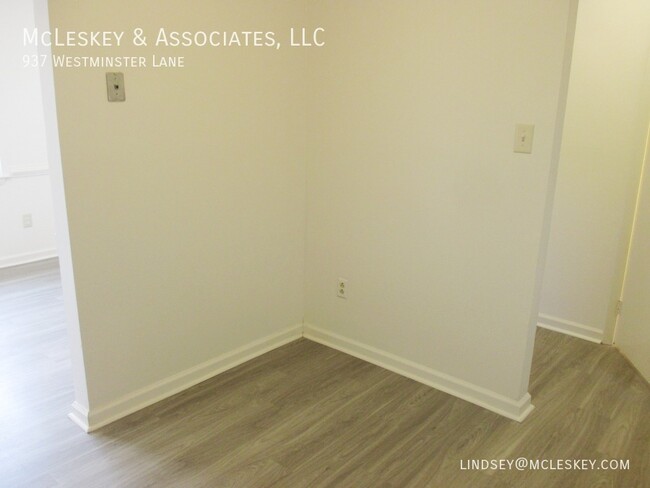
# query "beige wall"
(185, 203)
(602, 151)
(414, 193)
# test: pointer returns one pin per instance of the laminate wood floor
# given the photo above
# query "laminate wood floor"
(305, 415)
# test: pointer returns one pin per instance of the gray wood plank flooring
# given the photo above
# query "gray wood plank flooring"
(305, 415)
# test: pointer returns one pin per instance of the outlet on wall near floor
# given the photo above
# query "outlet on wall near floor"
(27, 220)
(342, 288)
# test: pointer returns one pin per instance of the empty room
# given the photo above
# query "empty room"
(255, 243)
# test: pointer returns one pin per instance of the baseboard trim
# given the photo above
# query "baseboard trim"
(28, 257)
(513, 409)
(94, 418)
(79, 415)
(570, 328)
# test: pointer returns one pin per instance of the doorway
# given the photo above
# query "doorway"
(40, 346)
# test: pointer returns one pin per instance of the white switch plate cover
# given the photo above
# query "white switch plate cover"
(115, 87)
(524, 138)
(27, 220)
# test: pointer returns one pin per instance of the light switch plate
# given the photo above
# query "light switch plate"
(115, 87)
(524, 138)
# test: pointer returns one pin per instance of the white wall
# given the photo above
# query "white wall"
(19, 196)
(185, 204)
(22, 146)
(602, 151)
(42, 21)
(633, 330)
(415, 195)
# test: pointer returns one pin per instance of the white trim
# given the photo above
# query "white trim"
(79, 415)
(513, 409)
(574, 329)
(96, 417)
(28, 257)
(8, 171)
(612, 325)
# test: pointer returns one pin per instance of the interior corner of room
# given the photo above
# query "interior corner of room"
(185, 249)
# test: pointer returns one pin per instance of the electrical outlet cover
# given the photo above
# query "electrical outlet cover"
(342, 288)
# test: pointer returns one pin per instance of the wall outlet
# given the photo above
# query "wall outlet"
(27, 220)
(342, 288)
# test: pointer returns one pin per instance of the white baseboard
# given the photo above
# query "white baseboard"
(513, 409)
(96, 417)
(570, 328)
(29, 257)
(79, 415)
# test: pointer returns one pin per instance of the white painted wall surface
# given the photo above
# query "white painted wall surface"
(22, 124)
(42, 21)
(186, 203)
(633, 330)
(22, 146)
(602, 151)
(414, 193)
(20, 196)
